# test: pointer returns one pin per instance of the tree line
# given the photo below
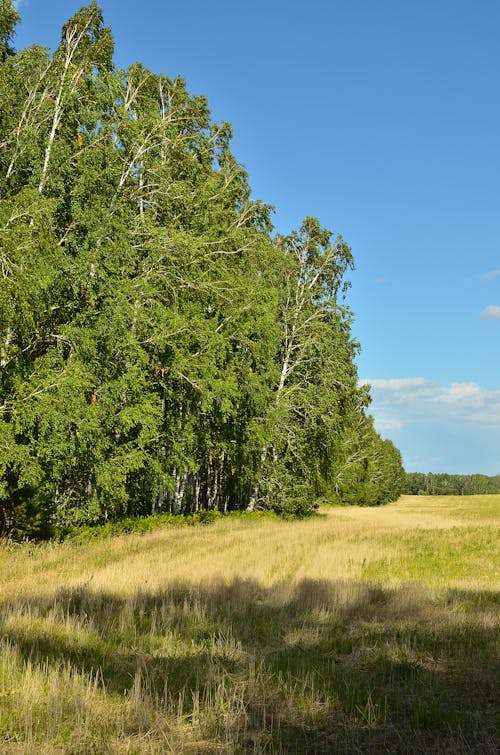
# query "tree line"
(161, 348)
(418, 483)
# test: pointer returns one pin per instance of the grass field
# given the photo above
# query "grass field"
(364, 630)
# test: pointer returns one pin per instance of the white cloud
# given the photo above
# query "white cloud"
(439, 428)
(491, 311)
(395, 384)
(386, 425)
(463, 395)
(490, 275)
(398, 402)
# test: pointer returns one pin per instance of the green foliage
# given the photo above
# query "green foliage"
(139, 525)
(9, 17)
(160, 350)
(417, 483)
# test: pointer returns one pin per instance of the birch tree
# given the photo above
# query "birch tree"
(9, 17)
(160, 350)
(311, 279)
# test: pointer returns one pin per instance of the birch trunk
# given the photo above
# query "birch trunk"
(72, 46)
(5, 346)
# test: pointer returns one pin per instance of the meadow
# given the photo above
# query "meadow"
(361, 630)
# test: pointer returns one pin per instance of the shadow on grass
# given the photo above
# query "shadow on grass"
(320, 667)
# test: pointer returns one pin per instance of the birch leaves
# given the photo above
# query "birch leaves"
(159, 348)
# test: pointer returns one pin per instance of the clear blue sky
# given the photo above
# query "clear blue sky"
(383, 120)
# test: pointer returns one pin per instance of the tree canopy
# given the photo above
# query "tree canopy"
(160, 348)
(418, 483)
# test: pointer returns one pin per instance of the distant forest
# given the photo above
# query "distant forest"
(161, 348)
(418, 483)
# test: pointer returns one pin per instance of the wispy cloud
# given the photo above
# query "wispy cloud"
(398, 402)
(492, 311)
(396, 384)
(490, 275)
(383, 424)
(439, 428)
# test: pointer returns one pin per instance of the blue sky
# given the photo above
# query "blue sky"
(383, 120)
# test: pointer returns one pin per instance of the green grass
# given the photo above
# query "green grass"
(141, 525)
(425, 554)
(355, 632)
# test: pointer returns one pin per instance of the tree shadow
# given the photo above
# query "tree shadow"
(323, 666)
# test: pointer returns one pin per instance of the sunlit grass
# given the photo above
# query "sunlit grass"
(362, 630)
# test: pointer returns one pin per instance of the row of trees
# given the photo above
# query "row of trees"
(418, 483)
(160, 349)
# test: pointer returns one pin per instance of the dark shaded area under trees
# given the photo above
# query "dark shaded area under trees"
(160, 349)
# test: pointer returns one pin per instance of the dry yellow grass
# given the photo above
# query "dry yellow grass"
(339, 545)
(362, 630)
